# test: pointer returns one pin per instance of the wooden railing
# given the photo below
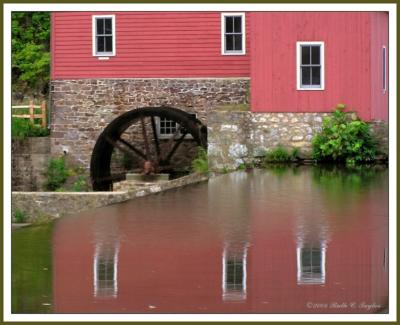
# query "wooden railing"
(42, 115)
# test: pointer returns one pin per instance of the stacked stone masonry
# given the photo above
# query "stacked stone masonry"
(30, 158)
(235, 138)
(81, 109)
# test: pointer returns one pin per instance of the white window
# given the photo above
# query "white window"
(103, 31)
(233, 34)
(384, 69)
(310, 66)
(167, 128)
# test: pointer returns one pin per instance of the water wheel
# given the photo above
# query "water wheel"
(136, 136)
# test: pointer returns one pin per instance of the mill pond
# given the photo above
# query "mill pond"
(278, 240)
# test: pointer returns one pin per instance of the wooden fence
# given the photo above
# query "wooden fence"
(42, 115)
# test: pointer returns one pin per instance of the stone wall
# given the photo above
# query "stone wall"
(380, 129)
(37, 205)
(81, 109)
(238, 137)
(30, 157)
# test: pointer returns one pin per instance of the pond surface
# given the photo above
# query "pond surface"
(281, 240)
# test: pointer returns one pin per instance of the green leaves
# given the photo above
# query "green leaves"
(22, 128)
(200, 163)
(30, 52)
(57, 173)
(342, 140)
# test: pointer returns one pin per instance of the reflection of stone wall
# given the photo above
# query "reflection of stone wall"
(237, 137)
(30, 158)
(81, 109)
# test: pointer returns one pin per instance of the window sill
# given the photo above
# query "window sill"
(233, 53)
(308, 89)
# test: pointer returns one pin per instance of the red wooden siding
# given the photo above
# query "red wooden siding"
(379, 38)
(347, 61)
(148, 44)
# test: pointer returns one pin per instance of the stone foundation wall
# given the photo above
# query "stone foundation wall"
(30, 157)
(37, 205)
(81, 109)
(238, 137)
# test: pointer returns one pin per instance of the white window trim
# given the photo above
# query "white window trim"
(384, 72)
(236, 14)
(105, 54)
(298, 63)
(169, 136)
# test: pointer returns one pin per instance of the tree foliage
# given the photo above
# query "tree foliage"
(30, 45)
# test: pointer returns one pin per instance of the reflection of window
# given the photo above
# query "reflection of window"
(234, 275)
(105, 272)
(311, 265)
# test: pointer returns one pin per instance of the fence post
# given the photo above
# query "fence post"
(31, 111)
(44, 115)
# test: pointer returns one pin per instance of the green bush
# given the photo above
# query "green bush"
(57, 173)
(200, 163)
(20, 216)
(80, 184)
(344, 140)
(280, 155)
(22, 128)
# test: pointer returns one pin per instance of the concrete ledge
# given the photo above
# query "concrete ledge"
(56, 204)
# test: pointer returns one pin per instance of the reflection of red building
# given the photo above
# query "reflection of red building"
(188, 262)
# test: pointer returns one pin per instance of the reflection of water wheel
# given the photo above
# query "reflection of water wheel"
(135, 134)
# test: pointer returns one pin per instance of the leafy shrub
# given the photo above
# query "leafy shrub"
(344, 140)
(20, 216)
(57, 173)
(80, 184)
(280, 155)
(22, 128)
(200, 163)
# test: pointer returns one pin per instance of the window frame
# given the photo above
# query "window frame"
(162, 136)
(94, 36)
(384, 69)
(233, 14)
(322, 64)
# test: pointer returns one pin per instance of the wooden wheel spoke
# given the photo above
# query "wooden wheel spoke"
(156, 141)
(171, 141)
(124, 149)
(146, 140)
(175, 147)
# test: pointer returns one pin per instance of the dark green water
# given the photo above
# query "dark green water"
(32, 269)
(281, 240)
